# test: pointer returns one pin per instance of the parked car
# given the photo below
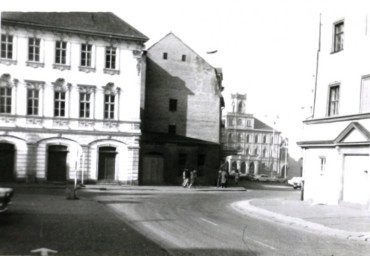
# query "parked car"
(6, 195)
(296, 182)
(261, 177)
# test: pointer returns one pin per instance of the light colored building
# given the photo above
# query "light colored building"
(70, 97)
(182, 114)
(248, 144)
(336, 142)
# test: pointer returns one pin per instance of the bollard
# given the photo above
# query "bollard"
(71, 192)
(302, 190)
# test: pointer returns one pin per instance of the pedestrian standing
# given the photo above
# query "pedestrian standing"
(223, 179)
(219, 177)
(193, 177)
(236, 175)
(185, 176)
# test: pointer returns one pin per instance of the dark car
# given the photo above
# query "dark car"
(6, 195)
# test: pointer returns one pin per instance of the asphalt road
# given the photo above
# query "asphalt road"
(43, 218)
(203, 223)
(155, 221)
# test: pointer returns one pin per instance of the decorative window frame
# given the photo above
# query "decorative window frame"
(60, 85)
(111, 89)
(116, 70)
(67, 65)
(88, 89)
(91, 68)
(7, 82)
(13, 60)
(39, 86)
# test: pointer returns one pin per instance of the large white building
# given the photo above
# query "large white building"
(248, 144)
(336, 143)
(71, 87)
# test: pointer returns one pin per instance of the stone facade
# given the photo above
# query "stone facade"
(182, 114)
(248, 144)
(70, 97)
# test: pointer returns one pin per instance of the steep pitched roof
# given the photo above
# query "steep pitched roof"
(104, 24)
(219, 70)
(258, 124)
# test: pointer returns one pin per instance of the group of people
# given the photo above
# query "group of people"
(223, 176)
(189, 178)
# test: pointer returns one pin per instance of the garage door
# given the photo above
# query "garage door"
(355, 183)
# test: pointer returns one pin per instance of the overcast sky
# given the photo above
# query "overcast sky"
(266, 48)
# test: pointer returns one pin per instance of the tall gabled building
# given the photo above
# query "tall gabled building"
(70, 97)
(182, 114)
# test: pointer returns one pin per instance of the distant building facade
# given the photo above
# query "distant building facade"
(336, 142)
(182, 116)
(70, 97)
(248, 144)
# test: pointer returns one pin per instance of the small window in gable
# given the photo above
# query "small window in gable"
(183, 57)
(165, 55)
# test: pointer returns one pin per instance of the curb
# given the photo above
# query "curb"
(245, 207)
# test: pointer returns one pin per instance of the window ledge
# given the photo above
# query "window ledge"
(334, 52)
(34, 64)
(8, 62)
(61, 67)
(86, 69)
(111, 71)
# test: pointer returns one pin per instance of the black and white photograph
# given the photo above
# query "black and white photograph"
(185, 128)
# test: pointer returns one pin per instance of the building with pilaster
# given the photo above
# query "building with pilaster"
(71, 88)
(248, 144)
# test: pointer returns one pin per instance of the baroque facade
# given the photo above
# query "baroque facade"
(248, 144)
(70, 97)
(182, 114)
(336, 142)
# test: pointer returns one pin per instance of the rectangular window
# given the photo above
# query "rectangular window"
(110, 57)
(183, 57)
(84, 105)
(333, 106)
(338, 36)
(86, 50)
(109, 106)
(6, 46)
(32, 102)
(59, 104)
(5, 100)
(165, 55)
(34, 49)
(365, 95)
(60, 52)
(173, 105)
(172, 129)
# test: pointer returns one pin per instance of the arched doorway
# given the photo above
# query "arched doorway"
(233, 166)
(57, 163)
(251, 168)
(107, 163)
(243, 168)
(7, 154)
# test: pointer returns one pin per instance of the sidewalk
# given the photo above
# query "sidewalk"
(334, 220)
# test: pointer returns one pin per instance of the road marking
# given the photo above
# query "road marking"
(263, 244)
(210, 222)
